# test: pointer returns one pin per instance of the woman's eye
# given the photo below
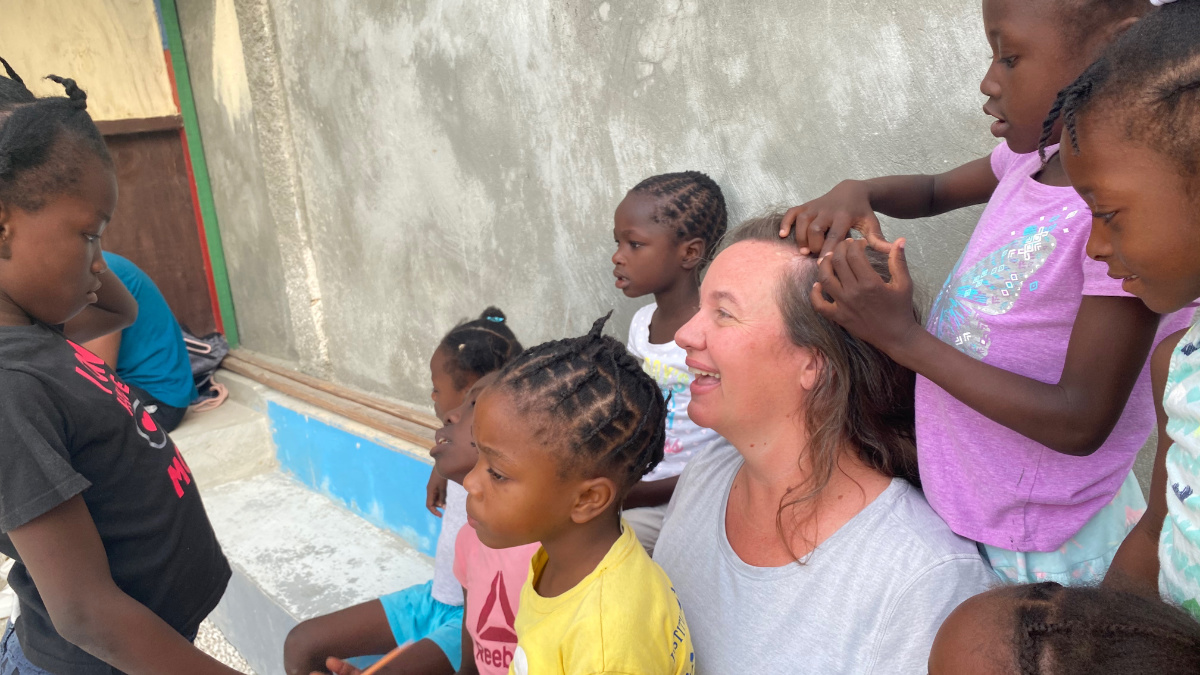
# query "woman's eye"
(495, 476)
(92, 238)
(722, 314)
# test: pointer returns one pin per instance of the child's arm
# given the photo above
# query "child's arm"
(435, 493)
(114, 310)
(354, 631)
(823, 222)
(107, 348)
(1135, 567)
(651, 493)
(468, 665)
(66, 559)
(1110, 341)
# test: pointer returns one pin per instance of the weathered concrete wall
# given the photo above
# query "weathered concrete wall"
(398, 165)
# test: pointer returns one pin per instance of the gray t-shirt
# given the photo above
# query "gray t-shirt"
(868, 600)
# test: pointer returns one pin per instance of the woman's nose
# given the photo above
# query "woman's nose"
(689, 337)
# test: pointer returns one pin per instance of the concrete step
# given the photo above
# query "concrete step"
(295, 555)
(225, 444)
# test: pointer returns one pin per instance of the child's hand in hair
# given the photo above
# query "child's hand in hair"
(860, 301)
(435, 494)
(337, 666)
(822, 223)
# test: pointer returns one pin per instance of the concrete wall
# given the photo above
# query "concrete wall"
(385, 168)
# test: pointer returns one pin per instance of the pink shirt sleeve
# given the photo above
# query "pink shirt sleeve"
(464, 549)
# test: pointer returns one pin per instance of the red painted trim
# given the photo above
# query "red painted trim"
(187, 161)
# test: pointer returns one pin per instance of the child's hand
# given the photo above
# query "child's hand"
(822, 223)
(337, 666)
(435, 493)
(861, 302)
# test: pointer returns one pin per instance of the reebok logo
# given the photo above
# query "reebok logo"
(495, 628)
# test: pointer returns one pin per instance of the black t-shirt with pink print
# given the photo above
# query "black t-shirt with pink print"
(69, 426)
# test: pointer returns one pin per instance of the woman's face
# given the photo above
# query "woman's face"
(747, 373)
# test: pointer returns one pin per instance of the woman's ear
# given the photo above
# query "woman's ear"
(811, 369)
(594, 497)
(692, 253)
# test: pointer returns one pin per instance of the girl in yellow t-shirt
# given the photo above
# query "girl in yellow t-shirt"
(563, 434)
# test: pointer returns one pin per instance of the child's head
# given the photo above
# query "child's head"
(454, 453)
(58, 191)
(563, 434)
(469, 351)
(1038, 47)
(1133, 124)
(665, 228)
(1048, 629)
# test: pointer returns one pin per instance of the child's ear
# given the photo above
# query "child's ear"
(693, 253)
(5, 231)
(595, 496)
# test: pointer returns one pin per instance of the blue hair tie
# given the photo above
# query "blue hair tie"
(496, 319)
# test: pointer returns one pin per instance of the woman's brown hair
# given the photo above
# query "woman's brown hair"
(863, 400)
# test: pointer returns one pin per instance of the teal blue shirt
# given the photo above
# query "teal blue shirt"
(153, 355)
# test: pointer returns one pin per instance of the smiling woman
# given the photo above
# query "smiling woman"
(809, 511)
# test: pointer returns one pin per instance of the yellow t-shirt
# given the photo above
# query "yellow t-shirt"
(623, 618)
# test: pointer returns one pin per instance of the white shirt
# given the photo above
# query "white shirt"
(446, 588)
(666, 364)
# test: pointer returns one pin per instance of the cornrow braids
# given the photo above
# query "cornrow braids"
(40, 139)
(476, 348)
(691, 203)
(594, 402)
(1080, 18)
(1148, 83)
(1078, 630)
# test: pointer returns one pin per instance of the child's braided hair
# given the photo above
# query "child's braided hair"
(1148, 82)
(476, 348)
(1083, 630)
(592, 400)
(39, 139)
(690, 203)
(1080, 18)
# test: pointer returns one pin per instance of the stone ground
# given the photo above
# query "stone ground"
(212, 642)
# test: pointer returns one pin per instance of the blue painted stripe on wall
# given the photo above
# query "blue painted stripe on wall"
(384, 486)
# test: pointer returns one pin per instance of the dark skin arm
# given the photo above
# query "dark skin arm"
(468, 667)
(321, 644)
(66, 559)
(435, 493)
(823, 222)
(1135, 567)
(114, 311)
(651, 493)
(361, 629)
(1110, 341)
(107, 348)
